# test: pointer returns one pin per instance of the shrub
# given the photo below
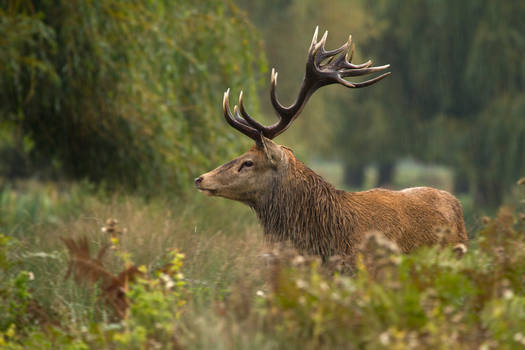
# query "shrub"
(429, 299)
(120, 92)
(14, 291)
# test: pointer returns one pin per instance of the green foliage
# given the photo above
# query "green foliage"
(156, 302)
(128, 93)
(428, 299)
(505, 320)
(455, 91)
(501, 127)
(30, 203)
(14, 292)
(155, 306)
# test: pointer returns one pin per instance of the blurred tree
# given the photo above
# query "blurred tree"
(454, 64)
(124, 92)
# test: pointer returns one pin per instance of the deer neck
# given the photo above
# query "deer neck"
(301, 207)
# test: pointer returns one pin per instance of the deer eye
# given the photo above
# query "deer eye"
(246, 164)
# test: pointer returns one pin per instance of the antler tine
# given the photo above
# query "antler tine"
(235, 121)
(319, 47)
(363, 83)
(318, 74)
(349, 55)
(347, 48)
(322, 42)
(362, 71)
(333, 54)
(279, 108)
(253, 123)
(345, 61)
(314, 39)
(287, 114)
(357, 66)
(236, 115)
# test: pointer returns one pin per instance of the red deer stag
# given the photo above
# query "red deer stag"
(295, 204)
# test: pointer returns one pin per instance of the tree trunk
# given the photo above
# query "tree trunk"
(461, 182)
(489, 193)
(385, 173)
(354, 176)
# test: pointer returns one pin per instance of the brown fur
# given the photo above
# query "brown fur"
(295, 204)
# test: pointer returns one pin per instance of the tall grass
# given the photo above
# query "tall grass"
(220, 239)
(236, 296)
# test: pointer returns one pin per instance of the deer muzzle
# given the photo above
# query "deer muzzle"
(202, 188)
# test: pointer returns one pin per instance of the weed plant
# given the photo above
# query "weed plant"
(206, 280)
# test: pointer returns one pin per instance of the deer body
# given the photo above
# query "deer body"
(295, 204)
(319, 219)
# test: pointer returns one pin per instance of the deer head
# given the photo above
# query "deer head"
(252, 174)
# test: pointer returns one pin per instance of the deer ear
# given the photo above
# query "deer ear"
(272, 150)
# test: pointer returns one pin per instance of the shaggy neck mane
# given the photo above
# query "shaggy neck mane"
(306, 210)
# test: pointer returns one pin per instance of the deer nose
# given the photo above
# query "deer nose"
(198, 180)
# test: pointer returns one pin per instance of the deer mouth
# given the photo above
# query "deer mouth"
(207, 191)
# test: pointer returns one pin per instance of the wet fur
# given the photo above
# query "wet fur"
(301, 207)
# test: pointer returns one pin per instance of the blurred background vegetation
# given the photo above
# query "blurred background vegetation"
(127, 94)
(109, 109)
(455, 97)
(124, 93)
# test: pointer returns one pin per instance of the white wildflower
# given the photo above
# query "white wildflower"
(384, 338)
(301, 284)
(508, 294)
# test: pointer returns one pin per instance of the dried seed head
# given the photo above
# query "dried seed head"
(298, 260)
(459, 249)
(112, 228)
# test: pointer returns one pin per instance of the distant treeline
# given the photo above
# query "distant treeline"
(125, 93)
(456, 95)
(128, 93)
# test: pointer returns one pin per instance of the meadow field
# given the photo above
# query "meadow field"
(208, 281)
(110, 109)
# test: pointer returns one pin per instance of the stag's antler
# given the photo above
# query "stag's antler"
(335, 68)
